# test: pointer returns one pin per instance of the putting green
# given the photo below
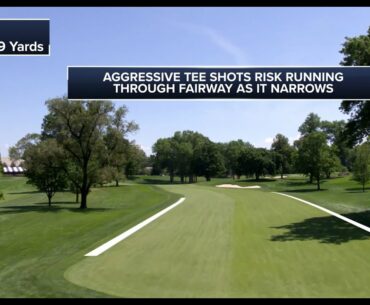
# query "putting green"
(233, 243)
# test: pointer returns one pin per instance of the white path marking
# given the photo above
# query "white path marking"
(352, 222)
(131, 231)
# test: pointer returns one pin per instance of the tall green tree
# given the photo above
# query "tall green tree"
(16, 152)
(118, 147)
(263, 163)
(356, 52)
(233, 152)
(165, 156)
(136, 160)
(331, 161)
(257, 162)
(209, 161)
(335, 131)
(188, 154)
(283, 154)
(311, 124)
(313, 155)
(79, 127)
(44, 167)
(361, 168)
(116, 157)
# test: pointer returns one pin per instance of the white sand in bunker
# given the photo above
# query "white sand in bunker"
(234, 186)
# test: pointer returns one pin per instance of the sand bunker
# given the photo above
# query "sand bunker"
(234, 186)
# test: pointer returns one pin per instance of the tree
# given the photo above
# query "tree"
(106, 174)
(262, 163)
(118, 147)
(116, 158)
(79, 127)
(311, 124)
(74, 189)
(183, 157)
(209, 161)
(356, 51)
(245, 161)
(257, 162)
(188, 154)
(283, 154)
(188, 145)
(43, 163)
(358, 125)
(313, 155)
(361, 168)
(232, 154)
(136, 160)
(331, 163)
(164, 159)
(16, 152)
(335, 132)
(156, 170)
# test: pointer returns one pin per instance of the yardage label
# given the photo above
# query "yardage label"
(24, 37)
(219, 82)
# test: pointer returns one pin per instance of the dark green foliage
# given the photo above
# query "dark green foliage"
(257, 162)
(361, 168)
(314, 155)
(188, 154)
(44, 164)
(283, 154)
(356, 51)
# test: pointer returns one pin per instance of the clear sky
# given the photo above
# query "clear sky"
(179, 36)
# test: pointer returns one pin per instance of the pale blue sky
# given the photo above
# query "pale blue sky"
(179, 36)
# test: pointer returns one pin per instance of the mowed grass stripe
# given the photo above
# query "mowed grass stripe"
(346, 219)
(234, 243)
(284, 249)
(186, 252)
(132, 230)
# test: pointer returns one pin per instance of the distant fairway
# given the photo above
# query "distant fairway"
(233, 243)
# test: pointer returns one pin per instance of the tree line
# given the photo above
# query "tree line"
(322, 148)
(84, 144)
(319, 151)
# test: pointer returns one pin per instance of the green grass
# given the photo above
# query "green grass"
(340, 194)
(218, 243)
(38, 244)
(234, 243)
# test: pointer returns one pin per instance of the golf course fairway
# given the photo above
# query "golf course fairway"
(233, 243)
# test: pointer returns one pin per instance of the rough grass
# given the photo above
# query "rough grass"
(39, 243)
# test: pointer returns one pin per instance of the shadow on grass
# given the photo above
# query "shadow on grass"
(261, 180)
(158, 181)
(296, 183)
(55, 203)
(304, 190)
(327, 229)
(357, 190)
(20, 193)
(122, 184)
(41, 207)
